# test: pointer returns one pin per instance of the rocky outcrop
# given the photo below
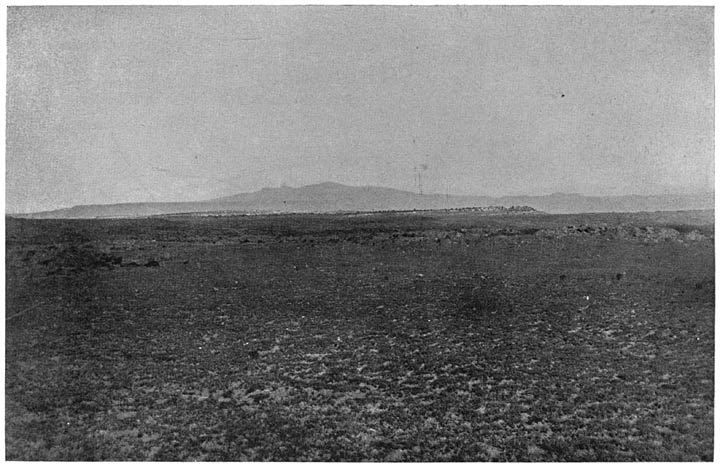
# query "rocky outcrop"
(629, 232)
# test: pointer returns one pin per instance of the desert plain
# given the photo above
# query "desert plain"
(394, 336)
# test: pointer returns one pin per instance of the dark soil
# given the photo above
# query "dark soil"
(385, 337)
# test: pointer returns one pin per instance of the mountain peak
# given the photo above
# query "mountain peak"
(328, 184)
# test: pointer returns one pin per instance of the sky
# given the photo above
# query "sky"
(134, 104)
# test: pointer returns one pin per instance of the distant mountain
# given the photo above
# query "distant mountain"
(328, 197)
(334, 197)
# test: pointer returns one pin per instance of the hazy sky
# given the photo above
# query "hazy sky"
(123, 104)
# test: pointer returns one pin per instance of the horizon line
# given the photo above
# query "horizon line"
(286, 186)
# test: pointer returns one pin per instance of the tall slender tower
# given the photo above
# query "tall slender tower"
(419, 171)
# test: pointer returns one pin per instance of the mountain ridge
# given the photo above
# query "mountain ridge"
(336, 197)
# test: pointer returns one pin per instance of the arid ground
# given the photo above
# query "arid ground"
(432, 336)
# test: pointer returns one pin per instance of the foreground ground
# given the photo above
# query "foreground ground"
(380, 337)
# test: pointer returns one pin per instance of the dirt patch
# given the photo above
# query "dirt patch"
(78, 257)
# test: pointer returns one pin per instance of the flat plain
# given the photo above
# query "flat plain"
(427, 336)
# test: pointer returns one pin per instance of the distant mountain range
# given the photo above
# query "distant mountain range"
(334, 197)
